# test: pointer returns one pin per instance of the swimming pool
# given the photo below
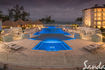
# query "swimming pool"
(52, 39)
(52, 30)
(52, 45)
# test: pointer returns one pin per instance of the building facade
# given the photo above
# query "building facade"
(94, 17)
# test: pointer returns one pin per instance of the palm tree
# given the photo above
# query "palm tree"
(4, 18)
(17, 12)
(79, 19)
(47, 20)
(1, 15)
(24, 16)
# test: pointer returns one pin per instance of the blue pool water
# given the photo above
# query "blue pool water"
(52, 45)
(51, 30)
(52, 39)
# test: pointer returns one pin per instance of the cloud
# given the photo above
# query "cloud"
(40, 3)
(67, 10)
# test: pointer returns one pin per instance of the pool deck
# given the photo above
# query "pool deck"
(44, 59)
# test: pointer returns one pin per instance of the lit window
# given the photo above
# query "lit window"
(103, 26)
(99, 18)
(98, 23)
(103, 18)
(95, 10)
(99, 26)
(99, 10)
(95, 18)
(103, 22)
(95, 14)
(104, 14)
(94, 23)
(98, 14)
(104, 9)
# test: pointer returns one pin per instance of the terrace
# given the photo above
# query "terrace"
(27, 58)
(59, 59)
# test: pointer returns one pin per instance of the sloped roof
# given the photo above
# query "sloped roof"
(20, 22)
(28, 22)
(9, 23)
(33, 22)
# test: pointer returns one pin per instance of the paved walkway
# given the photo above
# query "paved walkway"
(60, 59)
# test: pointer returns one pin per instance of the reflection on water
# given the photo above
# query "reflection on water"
(52, 45)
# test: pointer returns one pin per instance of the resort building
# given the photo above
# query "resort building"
(19, 29)
(86, 33)
(90, 34)
(94, 17)
(21, 23)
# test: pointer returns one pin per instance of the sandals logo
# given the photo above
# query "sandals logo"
(93, 67)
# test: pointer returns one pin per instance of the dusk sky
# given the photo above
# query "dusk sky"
(60, 10)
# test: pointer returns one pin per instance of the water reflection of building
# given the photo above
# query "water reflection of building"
(94, 16)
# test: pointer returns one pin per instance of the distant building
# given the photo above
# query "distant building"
(94, 17)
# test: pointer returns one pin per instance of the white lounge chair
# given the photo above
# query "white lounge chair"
(14, 46)
(93, 47)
